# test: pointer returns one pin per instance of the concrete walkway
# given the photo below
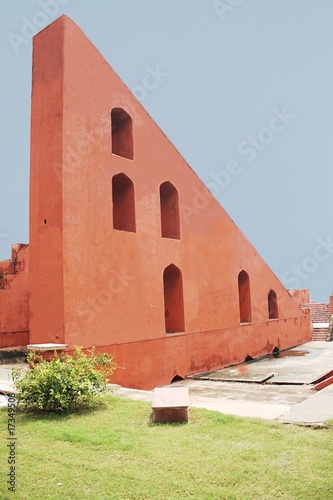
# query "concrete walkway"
(286, 394)
(314, 410)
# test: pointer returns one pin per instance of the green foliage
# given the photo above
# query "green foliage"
(64, 383)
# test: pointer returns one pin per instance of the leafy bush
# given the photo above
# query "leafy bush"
(64, 383)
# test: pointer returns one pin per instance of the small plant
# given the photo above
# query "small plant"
(64, 383)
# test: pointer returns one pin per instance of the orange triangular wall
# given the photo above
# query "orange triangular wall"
(92, 284)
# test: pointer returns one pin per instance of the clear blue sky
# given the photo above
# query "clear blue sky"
(244, 90)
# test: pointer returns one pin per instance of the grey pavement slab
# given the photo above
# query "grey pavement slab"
(3, 401)
(239, 373)
(251, 393)
(314, 410)
(6, 381)
(300, 365)
(134, 394)
(7, 388)
(241, 408)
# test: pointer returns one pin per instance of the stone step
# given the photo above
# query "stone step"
(319, 334)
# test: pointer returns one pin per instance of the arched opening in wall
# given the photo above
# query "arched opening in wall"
(169, 201)
(123, 199)
(273, 312)
(122, 133)
(173, 299)
(244, 295)
(176, 378)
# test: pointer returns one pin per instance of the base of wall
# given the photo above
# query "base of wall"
(152, 363)
(14, 339)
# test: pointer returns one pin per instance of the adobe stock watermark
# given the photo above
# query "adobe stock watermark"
(11, 442)
(249, 149)
(223, 7)
(40, 19)
(152, 79)
(298, 273)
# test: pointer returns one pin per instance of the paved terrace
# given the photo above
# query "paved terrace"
(270, 388)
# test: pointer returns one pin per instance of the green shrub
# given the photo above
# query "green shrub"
(64, 383)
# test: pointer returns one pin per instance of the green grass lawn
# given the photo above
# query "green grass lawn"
(115, 452)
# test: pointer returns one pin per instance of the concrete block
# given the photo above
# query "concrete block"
(170, 404)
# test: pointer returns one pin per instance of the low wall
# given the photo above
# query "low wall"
(14, 299)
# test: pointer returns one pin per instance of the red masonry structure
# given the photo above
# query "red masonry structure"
(129, 251)
(14, 298)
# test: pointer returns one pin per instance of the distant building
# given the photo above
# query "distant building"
(320, 313)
